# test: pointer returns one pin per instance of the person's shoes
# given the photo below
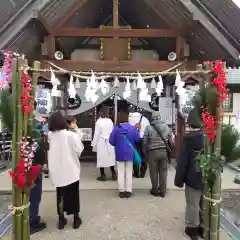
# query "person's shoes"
(102, 178)
(77, 223)
(38, 227)
(114, 177)
(62, 223)
(121, 194)
(154, 193)
(162, 194)
(128, 194)
(200, 232)
(142, 175)
(192, 233)
(135, 175)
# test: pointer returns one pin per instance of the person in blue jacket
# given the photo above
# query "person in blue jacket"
(124, 138)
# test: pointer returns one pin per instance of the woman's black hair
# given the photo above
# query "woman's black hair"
(57, 122)
(104, 112)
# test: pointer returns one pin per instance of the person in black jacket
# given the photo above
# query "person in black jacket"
(187, 173)
(36, 224)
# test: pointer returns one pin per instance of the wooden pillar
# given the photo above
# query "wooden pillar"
(115, 13)
(180, 44)
(48, 46)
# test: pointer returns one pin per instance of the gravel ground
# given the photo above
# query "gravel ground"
(106, 217)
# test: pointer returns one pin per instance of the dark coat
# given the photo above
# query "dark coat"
(186, 171)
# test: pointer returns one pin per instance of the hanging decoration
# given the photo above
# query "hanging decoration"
(77, 84)
(159, 87)
(71, 89)
(153, 84)
(127, 92)
(178, 79)
(74, 100)
(104, 87)
(55, 83)
(134, 85)
(116, 82)
(179, 84)
(140, 82)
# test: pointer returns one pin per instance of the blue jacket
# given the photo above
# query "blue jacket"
(124, 152)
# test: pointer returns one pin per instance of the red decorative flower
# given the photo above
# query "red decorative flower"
(219, 80)
(27, 99)
(210, 125)
(25, 173)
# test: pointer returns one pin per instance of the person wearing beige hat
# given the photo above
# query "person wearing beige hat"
(156, 137)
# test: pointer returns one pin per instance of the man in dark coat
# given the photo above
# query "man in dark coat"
(36, 224)
(187, 173)
(155, 150)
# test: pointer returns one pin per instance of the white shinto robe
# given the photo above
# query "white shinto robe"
(101, 145)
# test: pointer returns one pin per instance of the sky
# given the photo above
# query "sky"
(237, 2)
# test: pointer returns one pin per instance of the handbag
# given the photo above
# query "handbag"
(167, 144)
(137, 158)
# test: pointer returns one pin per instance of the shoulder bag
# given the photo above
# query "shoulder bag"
(168, 146)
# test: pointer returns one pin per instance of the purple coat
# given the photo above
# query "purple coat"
(122, 150)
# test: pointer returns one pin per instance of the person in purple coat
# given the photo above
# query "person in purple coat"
(121, 136)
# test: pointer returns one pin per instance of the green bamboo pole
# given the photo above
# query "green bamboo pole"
(35, 76)
(207, 193)
(17, 89)
(207, 190)
(15, 192)
(216, 188)
(25, 193)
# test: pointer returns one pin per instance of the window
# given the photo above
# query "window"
(228, 103)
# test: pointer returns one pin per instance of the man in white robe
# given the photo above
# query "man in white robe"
(139, 121)
(101, 145)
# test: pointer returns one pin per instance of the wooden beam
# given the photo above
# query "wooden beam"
(111, 32)
(118, 66)
(49, 46)
(38, 16)
(78, 4)
(180, 44)
(115, 13)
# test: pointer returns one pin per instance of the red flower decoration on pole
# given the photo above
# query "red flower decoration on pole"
(219, 80)
(25, 173)
(27, 98)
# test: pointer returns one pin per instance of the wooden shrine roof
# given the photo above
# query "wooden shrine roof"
(210, 39)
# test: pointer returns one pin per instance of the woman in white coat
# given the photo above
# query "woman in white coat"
(65, 148)
(101, 145)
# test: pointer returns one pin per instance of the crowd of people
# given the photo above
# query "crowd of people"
(127, 149)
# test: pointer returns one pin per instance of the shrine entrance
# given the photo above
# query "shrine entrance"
(86, 120)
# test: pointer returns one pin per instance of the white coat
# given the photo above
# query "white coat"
(101, 145)
(65, 148)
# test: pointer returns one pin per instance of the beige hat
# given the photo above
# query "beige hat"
(156, 114)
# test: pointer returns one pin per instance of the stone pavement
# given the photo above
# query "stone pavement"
(106, 217)
(89, 173)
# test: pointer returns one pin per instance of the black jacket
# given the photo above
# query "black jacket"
(186, 171)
